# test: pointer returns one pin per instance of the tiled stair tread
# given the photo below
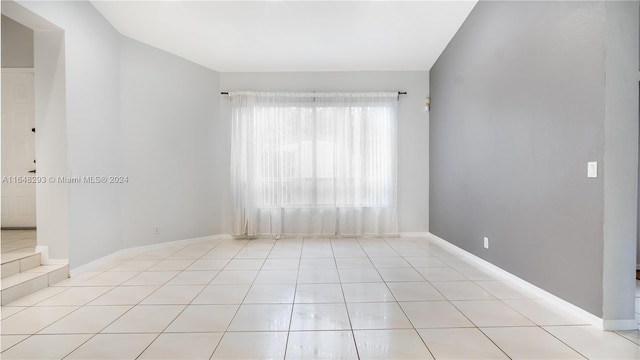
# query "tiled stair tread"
(19, 285)
(46, 268)
(17, 255)
(22, 264)
(20, 278)
(29, 275)
(10, 268)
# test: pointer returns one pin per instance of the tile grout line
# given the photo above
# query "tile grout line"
(560, 340)
(114, 320)
(239, 306)
(344, 298)
(465, 315)
(490, 339)
(293, 303)
(183, 309)
(396, 247)
(404, 312)
(123, 314)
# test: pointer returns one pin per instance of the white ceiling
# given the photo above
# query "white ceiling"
(294, 35)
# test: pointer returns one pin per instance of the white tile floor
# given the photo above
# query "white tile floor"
(314, 299)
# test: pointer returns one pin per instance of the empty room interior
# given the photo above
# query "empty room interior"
(320, 179)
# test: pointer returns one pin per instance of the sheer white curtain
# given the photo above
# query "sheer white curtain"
(314, 163)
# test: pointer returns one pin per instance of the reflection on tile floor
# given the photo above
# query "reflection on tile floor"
(402, 298)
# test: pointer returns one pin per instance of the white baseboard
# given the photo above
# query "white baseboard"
(414, 234)
(83, 268)
(569, 307)
(620, 324)
(44, 254)
(44, 257)
(565, 305)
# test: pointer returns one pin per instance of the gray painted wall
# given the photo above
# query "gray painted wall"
(17, 44)
(169, 111)
(124, 101)
(92, 63)
(517, 112)
(413, 127)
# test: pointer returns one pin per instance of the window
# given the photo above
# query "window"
(329, 156)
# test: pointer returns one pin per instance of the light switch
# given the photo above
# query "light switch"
(592, 169)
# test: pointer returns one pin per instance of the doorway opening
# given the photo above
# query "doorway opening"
(18, 130)
(38, 46)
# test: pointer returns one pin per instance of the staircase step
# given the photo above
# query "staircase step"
(17, 255)
(18, 263)
(32, 280)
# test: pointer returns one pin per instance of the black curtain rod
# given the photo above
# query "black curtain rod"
(399, 93)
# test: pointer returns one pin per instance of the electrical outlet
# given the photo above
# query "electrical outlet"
(486, 242)
(156, 230)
